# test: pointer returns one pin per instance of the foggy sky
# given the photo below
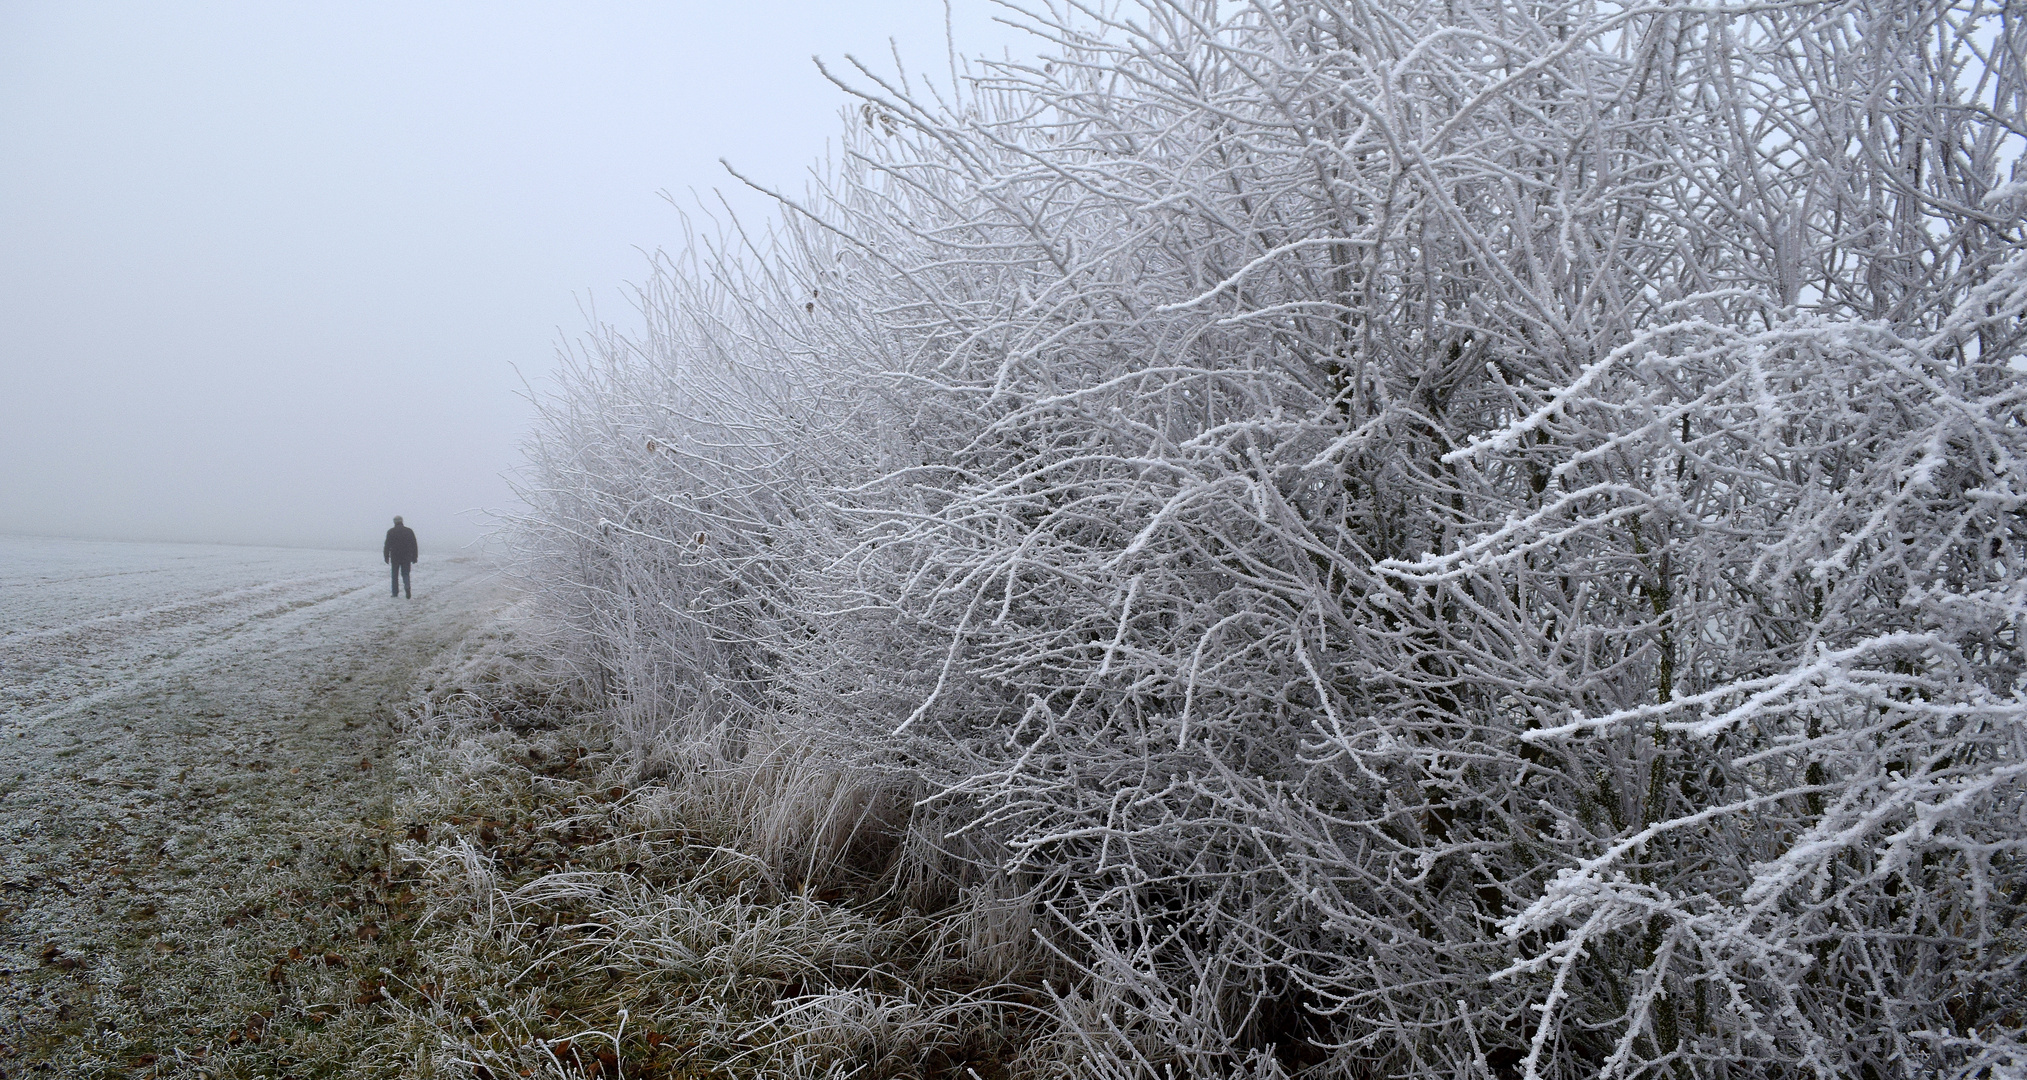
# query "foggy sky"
(267, 269)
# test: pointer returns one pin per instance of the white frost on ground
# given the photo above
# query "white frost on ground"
(80, 619)
(175, 721)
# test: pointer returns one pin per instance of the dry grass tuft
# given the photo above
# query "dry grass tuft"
(706, 922)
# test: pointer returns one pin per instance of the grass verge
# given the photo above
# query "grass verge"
(568, 924)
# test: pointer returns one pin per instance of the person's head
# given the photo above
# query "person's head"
(397, 519)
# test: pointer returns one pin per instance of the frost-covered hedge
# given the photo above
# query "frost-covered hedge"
(1399, 538)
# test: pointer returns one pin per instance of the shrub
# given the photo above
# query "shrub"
(1469, 538)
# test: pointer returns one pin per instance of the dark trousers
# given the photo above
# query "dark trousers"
(400, 580)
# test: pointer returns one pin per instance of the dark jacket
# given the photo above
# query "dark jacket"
(400, 546)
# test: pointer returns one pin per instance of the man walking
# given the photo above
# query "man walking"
(398, 552)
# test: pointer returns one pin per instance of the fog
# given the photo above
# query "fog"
(273, 273)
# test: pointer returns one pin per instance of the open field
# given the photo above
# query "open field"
(193, 797)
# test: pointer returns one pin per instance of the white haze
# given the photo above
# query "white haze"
(267, 271)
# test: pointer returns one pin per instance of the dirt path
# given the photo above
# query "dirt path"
(193, 812)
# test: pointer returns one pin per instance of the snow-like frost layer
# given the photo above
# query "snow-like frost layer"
(83, 618)
(190, 737)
